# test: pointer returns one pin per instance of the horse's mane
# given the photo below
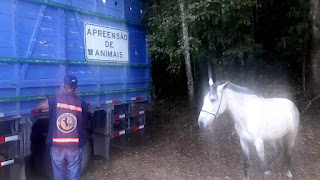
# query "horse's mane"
(235, 88)
(240, 89)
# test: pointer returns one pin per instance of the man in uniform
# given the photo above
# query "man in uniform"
(67, 133)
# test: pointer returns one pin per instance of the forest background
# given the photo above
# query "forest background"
(262, 41)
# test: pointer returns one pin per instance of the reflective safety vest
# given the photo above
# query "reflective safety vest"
(67, 127)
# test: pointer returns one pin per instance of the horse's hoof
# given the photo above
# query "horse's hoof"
(289, 175)
(267, 172)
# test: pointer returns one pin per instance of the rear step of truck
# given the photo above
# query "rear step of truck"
(16, 154)
(12, 145)
(9, 138)
(115, 119)
(127, 117)
(7, 162)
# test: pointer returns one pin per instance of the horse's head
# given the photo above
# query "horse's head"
(213, 104)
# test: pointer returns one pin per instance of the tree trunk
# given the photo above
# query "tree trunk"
(315, 45)
(186, 48)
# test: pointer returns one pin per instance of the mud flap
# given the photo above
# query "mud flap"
(101, 145)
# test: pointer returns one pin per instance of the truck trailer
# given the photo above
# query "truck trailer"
(101, 42)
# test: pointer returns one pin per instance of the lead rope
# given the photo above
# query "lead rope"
(217, 110)
(219, 106)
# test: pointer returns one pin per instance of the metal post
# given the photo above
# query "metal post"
(101, 142)
(101, 145)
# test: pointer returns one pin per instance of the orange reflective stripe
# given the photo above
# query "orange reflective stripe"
(70, 107)
(65, 140)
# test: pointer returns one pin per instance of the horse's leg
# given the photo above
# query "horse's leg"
(246, 159)
(288, 144)
(258, 143)
(275, 145)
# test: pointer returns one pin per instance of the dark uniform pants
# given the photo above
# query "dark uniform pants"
(66, 160)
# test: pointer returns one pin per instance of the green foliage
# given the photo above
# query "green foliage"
(246, 36)
(218, 27)
(283, 27)
(164, 26)
(296, 33)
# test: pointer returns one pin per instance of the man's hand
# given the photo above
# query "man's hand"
(43, 105)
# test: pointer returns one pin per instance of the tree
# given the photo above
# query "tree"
(315, 44)
(247, 38)
(218, 31)
(167, 47)
(186, 49)
(222, 34)
(283, 28)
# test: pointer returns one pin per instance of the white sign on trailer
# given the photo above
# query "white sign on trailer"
(105, 43)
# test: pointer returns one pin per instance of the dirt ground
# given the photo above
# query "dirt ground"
(172, 147)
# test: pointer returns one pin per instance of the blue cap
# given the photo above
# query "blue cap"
(71, 81)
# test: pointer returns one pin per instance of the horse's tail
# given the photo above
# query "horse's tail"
(290, 138)
(296, 119)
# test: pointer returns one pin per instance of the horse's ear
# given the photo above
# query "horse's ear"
(222, 86)
(210, 86)
(225, 85)
(210, 81)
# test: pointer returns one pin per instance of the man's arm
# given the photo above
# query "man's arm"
(84, 110)
(43, 105)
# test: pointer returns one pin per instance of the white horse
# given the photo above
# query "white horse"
(257, 120)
